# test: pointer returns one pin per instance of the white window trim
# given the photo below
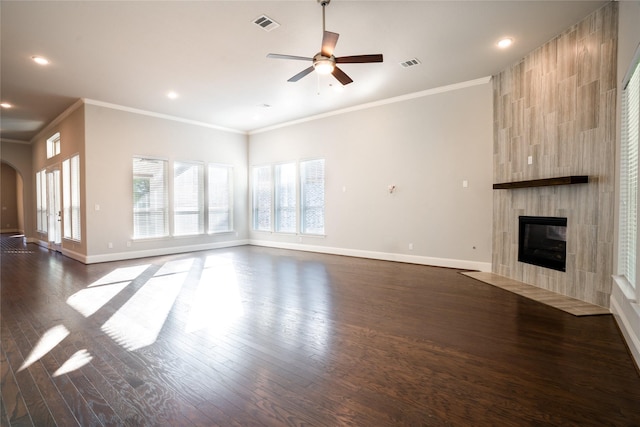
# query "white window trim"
(201, 199)
(630, 289)
(167, 199)
(231, 191)
(53, 145)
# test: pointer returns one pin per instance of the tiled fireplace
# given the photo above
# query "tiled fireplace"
(554, 117)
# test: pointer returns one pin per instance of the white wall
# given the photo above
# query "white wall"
(624, 302)
(426, 146)
(113, 137)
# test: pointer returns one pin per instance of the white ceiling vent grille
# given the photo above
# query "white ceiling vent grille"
(410, 63)
(266, 23)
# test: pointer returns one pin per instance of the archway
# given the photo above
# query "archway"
(11, 199)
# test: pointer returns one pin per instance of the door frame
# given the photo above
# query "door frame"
(54, 207)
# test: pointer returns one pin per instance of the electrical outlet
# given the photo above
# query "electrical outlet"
(530, 160)
(410, 246)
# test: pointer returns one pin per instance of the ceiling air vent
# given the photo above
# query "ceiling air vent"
(410, 63)
(266, 23)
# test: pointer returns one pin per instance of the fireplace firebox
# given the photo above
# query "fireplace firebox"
(542, 241)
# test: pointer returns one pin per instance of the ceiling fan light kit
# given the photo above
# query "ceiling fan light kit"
(324, 62)
(323, 65)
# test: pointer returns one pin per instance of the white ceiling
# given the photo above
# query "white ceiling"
(131, 53)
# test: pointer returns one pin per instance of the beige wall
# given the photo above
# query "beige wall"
(71, 126)
(425, 146)
(558, 105)
(113, 137)
(18, 156)
(8, 199)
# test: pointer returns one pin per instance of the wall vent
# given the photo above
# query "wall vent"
(266, 23)
(410, 63)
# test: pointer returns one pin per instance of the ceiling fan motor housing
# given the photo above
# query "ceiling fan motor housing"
(324, 64)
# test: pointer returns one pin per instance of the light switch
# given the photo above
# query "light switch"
(97, 207)
(465, 183)
(530, 160)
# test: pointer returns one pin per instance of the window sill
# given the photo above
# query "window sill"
(626, 288)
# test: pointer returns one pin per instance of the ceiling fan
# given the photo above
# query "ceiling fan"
(324, 62)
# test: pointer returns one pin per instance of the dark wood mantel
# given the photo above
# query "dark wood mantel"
(561, 180)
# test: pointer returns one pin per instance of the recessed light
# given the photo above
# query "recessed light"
(505, 42)
(6, 105)
(172, 95)
(40, 60)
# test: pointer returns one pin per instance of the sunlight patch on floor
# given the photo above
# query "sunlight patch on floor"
(76, 361)
(139, 321)
(45, 344)
(89, 300)
(216, 304)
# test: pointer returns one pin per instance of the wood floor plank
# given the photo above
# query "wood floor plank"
(52, 410)
(320, 340)
(12, 400)
(37, 407)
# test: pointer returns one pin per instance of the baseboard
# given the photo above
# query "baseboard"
(118, 256)
(383, 256)
(11, 230)
(627, 315)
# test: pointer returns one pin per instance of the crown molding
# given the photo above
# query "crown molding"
(401, 98)
(159, 115)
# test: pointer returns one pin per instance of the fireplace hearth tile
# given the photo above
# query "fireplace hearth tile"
(555, 300)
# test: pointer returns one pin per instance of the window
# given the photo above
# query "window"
(285, 200)
(220, 199)
(262, 198)
(188, 196)
(41, 201)
(312, 196)
(629, 175)
(150, 205)
(53, 145)
(71, 197)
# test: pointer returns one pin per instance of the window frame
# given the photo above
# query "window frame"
(285, 206)
(71, 209)
(274, 188)
(199, 209)
(258, 207)
(41, 202)
(627, 257)
(224, 209)
(304, 207)
(53, 145)
(163, 209)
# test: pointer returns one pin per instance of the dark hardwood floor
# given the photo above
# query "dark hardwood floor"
(251, 336)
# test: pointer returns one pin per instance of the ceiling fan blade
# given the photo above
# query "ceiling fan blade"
(341, 76)
(301, 74)
(329, 41)
(278, 56)
(359, 59)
